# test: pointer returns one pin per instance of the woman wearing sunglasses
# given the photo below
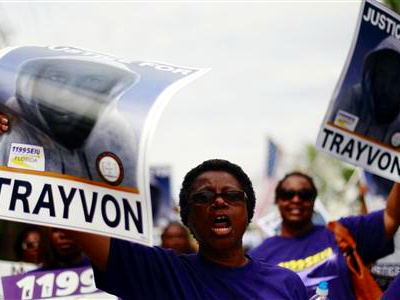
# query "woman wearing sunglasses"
(29, 245)
(217, 203)
(311, 250)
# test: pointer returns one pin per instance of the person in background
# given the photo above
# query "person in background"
(4, 126)
(311, 250)
(28, 245)
(65, 253)
(175, 236)
(217, 203)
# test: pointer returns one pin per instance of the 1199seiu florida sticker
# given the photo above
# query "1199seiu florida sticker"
(74, 155)
(362, 123)
(28, 157)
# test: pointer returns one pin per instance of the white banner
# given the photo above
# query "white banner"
(80, 122)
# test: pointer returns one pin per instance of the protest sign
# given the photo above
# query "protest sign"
(362, 124)
(75, 154)
(66, 283)
(10, 268)
(161, 196)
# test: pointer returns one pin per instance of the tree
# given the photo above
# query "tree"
(393, 4)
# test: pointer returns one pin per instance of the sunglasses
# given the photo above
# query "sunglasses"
(303, 194)
(207, 197)
(30, 245)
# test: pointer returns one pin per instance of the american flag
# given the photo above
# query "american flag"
(273, 161)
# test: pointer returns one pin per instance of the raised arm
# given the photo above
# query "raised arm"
(392, 211)
(96, 247)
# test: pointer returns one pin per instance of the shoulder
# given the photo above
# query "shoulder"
(270, 240)
(127, 251)
(265, 244)
(373, 218)
(135, 270)
(321, 230)
(276, 243)
(318, 229)
(283, 276)
(144, 258)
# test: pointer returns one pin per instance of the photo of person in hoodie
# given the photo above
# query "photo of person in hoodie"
(372, 106)
(68, 107)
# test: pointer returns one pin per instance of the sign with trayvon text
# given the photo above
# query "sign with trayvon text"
(75, 153)
(362, 124)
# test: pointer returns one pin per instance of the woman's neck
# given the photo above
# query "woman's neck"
(229, 258)
(292, 230)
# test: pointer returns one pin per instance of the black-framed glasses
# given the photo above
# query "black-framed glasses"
(207, 197)
(305, 194)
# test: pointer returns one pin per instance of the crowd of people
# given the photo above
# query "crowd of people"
(311, 250)
(48, 248)
(217, 203)
(51, 248)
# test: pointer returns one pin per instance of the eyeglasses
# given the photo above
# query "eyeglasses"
(303, 194)
(207, 197)
(30, 245)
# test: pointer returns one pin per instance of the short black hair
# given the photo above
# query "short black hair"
(216, 165)
(300, 174)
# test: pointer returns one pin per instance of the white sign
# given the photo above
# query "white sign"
(362, 124)
(75, 154)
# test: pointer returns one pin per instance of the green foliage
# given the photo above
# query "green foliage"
(393, 4)
(347, 172)
(311, 152)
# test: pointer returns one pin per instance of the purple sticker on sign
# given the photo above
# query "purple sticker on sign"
(50, 284)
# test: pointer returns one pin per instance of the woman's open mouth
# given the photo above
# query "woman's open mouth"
(222, 225)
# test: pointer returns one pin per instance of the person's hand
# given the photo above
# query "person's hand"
(363, 189)
(4, 123)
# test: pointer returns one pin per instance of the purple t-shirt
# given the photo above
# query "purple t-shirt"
(139, 272)
(393, 291)
(316, 257)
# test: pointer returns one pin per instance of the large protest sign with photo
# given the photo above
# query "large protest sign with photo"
(362, 124)
(75, 154)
